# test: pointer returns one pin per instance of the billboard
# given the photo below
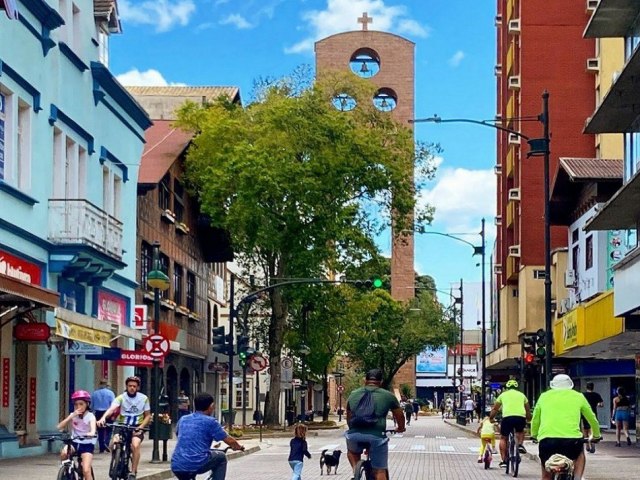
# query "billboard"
(432, 360)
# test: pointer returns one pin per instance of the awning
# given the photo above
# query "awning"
(10, 7)
(621, 105)
(612, 18)
(434, 382)
(15, 292)
(83, 328)
(620, 347)
(622, 211)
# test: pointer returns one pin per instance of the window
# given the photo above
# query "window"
(71, 31)
(111, 192)
(240, 395)
(76, 41)
(178, 290)
(164, 266)
(178, 200)
(146, 260)
(575, 257)
(575, 236)
(117, 195)
(588, 257)
(70, 167)
(15, 140)
(103, 46)
(22, 176)
(191, 291)
(539, 274)
(164, 195)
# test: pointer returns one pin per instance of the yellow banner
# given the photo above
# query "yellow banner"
(570, 329)
(82, 334)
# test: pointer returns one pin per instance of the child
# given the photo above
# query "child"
(299, 450)
(487, 431)
(83, 424)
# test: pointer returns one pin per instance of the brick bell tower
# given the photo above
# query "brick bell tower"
(387, 60)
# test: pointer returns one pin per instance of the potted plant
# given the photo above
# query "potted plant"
(168, 216)
(182, 228)
(164, 427)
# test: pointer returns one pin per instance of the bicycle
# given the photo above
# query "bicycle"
(71, 468)
(192, 475)
(513, 455)
(487, 453)
(119, 468)
(561, 467)
(363, 469)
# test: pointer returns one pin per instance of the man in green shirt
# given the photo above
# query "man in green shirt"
(556, 424)
(515, 413)
(373, 434)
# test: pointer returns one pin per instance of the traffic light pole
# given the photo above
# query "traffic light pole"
(232, 314)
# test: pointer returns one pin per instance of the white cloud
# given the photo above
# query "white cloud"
(236, 20)
(456, 59)
(342, 15)
(164, 14)
(461, 197)
(149, 78)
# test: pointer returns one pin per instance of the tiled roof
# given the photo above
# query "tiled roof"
(211, 93)
(593, 168)
(165, 144)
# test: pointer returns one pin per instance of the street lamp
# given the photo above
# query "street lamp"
(304, 350)
(159, 281)
(537, 147)
(339, 374)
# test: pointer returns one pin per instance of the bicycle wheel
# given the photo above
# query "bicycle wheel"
(487, 457)
(514, 457)
(115, 465)
(363, 471)
(65, 474)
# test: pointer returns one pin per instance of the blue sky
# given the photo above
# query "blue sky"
(234, 42)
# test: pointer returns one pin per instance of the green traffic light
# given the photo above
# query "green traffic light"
(377, 283)
(541, 352)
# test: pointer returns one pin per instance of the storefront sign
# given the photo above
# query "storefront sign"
(140, 313)
(133, 358)
(20, 269)
(81, 348)
(6, 378)
(112, 307)
(107, 354)
(467, 349)
(32, 332)
(72, 331)
(570, 329)
(32, 400)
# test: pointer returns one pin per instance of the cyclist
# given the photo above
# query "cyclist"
(196, 432)
(515, 413)
(83, 424)
(556, 424)
(372, 431)
(134, 411)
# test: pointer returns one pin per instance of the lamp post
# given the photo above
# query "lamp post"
(339, 374)
(159, 281)
(304, 351)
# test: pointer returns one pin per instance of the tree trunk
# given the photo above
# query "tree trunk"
(276, 340)
(325, 394)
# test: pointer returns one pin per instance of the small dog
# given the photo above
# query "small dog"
(330, 461)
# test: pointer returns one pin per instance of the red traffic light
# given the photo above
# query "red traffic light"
(529, 358)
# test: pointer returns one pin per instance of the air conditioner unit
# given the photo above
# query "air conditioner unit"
(514, 26)
(514, 139)
(514, 82)
(498, 20)
(593, 64)
(569, 278)
(498, 169)
(592, 5)
(514, 194)
(514, 251)
(497, 269)
(498, 220)
(497, 70)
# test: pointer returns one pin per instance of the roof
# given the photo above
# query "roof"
(165, 144)
(211, 93)
(108, 10)
(593, 168)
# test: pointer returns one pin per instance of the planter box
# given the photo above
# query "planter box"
(164, 432)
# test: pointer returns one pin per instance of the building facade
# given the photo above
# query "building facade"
(70, 144)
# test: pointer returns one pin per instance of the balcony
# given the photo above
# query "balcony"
(512, 269)
(79, 222)
(511, 214)
(612, 18)
(511, 154)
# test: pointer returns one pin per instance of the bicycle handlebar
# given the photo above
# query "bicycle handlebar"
(65, 437)
(129, 427)
(584, 440)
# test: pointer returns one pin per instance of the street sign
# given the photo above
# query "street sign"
(286, 370)
(107, 354)
(80, 348)
(258, 363)
(340, 388)
(140, 313)
(156, 345)
(134, 358)
(461, 388)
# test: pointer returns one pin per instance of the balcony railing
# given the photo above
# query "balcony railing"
(78, 221)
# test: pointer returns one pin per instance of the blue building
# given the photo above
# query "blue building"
(71, 140)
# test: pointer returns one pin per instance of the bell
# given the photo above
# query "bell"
(384, 103)
(364, 68)
(343, 103)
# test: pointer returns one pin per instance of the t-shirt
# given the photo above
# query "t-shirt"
(487, 428)
(594, 399)
(183, 402)
(383, 401)
(468, 405)
(513, 402)
(81, 427)
(196, 432)
(557, 415)
(131, 408)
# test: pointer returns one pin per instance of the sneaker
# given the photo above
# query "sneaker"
(502, 464)
(479, 459)
(521, 449)
(617, 444)
(132, 476)
(629, 441)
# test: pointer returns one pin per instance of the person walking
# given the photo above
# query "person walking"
(595, 401)
(443, 407)
(298, 450)
(408, 410)
(469, 407)
(183, 404)
(621, 414)
(101, 400)
(416, 409)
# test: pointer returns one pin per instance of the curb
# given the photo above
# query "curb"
(166, 474)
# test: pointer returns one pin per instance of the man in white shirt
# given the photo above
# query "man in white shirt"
(469, 407)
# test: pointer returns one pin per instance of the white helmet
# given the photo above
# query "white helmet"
(562, 382)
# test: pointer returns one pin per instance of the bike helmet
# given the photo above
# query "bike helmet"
(512, 384)
(133, 378)
(81, 395)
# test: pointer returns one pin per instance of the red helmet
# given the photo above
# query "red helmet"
(81, 395)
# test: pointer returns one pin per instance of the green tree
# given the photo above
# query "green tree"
(292, 180)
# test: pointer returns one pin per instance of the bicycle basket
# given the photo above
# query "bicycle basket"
(559, 463)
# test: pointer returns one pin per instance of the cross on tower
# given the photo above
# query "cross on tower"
(365, 20)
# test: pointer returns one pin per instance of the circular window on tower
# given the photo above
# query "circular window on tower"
(344, 102)
(385, 100)
(365, 63)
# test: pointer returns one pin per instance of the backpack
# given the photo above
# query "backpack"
(364, 414)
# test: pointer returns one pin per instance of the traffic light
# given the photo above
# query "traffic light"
(528, 349)
(219, 340)
(541, 344)
(375, 282)
(244, 351)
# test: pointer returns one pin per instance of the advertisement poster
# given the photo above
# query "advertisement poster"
(112, 307)
(619, 242)
(433, 361)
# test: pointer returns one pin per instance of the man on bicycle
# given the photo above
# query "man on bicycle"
(195, 433)
(367, 409)
(556, 424)
(515, 413)
(134, 410)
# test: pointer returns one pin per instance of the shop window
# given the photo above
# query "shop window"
(191, 291)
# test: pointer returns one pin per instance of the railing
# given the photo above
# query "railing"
(78, 221)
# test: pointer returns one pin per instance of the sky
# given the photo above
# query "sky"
(234, 42)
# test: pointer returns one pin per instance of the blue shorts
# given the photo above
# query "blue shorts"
(378, 447)
(81, 448)
(622, 415)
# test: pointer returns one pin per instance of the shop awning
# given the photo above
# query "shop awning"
(83, 328)
(16, 292)
(620, 347)
(622, 211)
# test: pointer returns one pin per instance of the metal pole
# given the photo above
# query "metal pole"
(340, 398)
(155, 393)
(483, 388)
(461, 340)
(305, 312)
(548, 321)
(232, 315)
(259, 420)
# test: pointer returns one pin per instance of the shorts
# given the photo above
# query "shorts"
(571, 448)
(378, 448)
(81, 448)
(511, 423)
(622, 415)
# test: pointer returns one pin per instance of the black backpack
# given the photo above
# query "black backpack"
(364, 414)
